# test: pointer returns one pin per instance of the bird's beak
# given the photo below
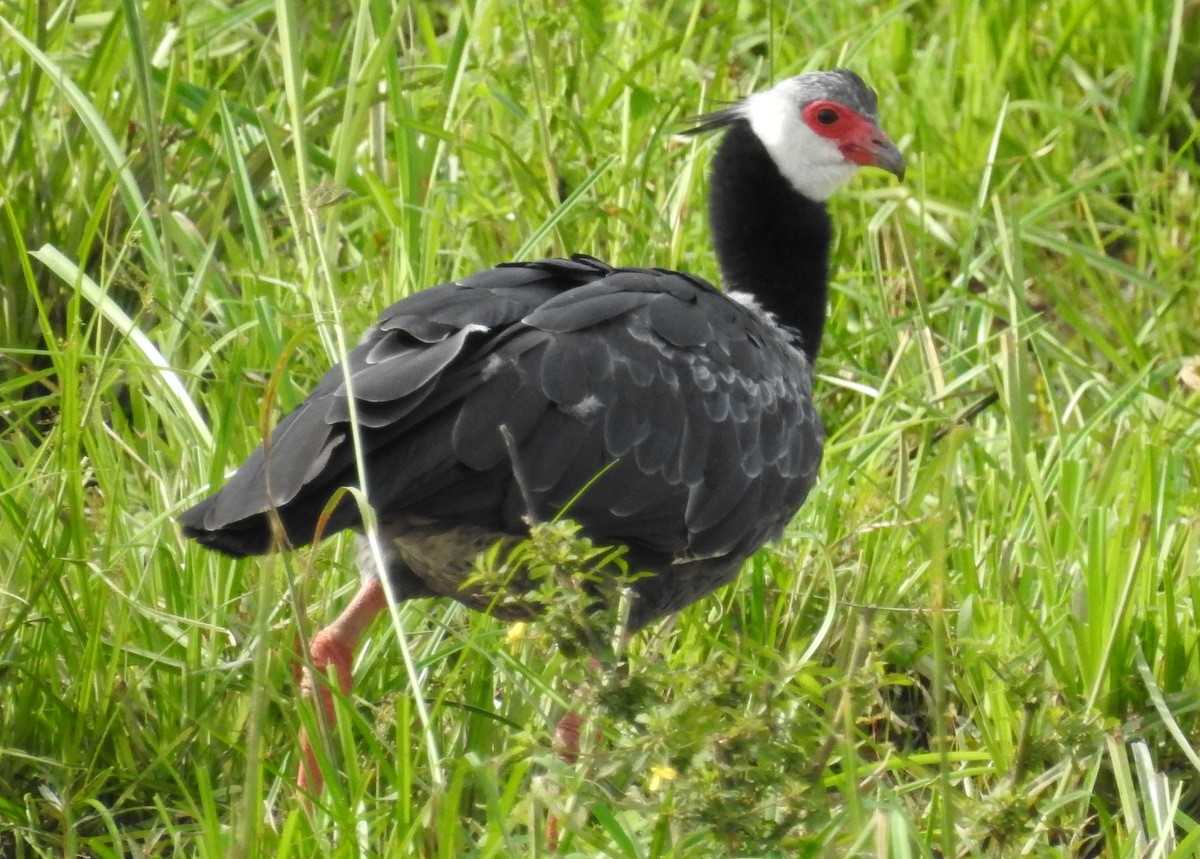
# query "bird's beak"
(872, 147)
(886, 155)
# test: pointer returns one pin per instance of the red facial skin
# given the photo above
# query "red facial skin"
(859, 139)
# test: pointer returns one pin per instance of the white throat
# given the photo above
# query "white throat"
(813, 164)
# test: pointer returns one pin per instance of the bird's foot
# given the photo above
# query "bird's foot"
(334, 647)
(327, 650)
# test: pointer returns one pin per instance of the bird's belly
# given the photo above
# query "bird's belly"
(443, 556)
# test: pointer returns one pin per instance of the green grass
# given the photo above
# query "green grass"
(980, 636)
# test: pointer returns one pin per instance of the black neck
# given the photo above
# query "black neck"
(771, 240)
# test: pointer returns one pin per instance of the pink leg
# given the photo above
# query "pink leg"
(566, 736)
(334, 646)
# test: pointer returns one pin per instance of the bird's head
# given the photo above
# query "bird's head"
(818, 127)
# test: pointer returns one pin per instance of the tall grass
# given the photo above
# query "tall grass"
(978, 638)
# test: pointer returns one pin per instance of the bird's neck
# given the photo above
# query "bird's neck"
(771, 241)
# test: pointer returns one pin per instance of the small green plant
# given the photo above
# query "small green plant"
(572, 587)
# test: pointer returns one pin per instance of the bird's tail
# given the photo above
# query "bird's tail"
(251, 536)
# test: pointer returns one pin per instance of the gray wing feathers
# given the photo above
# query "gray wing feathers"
(684, 387)
(702, 405)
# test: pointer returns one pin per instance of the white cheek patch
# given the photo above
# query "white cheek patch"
(813, 164)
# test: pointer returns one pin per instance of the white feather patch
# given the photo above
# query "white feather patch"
(491, 366)
(748, 301)
(585, 408)
(751, 305)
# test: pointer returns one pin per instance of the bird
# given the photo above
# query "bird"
(667, 416)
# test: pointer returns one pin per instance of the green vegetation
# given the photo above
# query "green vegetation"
(980, 635)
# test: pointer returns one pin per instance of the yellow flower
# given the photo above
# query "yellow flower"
(516, 634)
(660, 773)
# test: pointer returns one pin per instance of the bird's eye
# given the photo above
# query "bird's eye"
(827, 116)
